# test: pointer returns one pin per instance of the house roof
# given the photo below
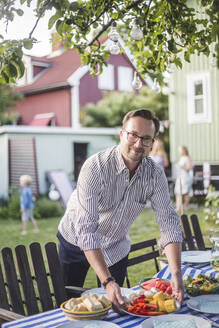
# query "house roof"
(57, 74)
(61, 68)
(44, 121)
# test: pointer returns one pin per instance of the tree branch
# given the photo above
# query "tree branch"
(42, 10)
(103, 12)
(105, 27)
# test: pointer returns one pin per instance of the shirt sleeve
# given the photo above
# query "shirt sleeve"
(166, 217)
(88, 188)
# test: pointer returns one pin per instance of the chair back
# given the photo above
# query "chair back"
(197, 232)
(27, 285)
(150, 254)
(193, 238)
(187, 233)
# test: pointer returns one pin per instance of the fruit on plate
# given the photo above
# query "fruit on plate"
(158, 304)
(201, 285)
(160, 284)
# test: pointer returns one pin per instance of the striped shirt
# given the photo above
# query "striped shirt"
(106, 202)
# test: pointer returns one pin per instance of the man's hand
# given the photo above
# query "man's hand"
(177, 287)
(96, 260)
(114, 295)
(173, 253)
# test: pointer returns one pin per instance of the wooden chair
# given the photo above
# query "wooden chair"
(30, 285)
(193, 238)
(152, 254)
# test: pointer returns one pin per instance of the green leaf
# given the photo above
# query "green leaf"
(74, 6)
(13, 70)
(5, 76)
(187, 56)
(53, 19)
(28, 43)
(178, 62)
(59, 24)
(20, 12)
(115, 16)
(17, 68)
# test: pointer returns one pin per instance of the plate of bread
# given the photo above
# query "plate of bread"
(88, 306)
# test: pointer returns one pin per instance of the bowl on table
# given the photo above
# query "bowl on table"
(71, 310)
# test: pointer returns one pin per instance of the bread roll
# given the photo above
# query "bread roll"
(82, 307)
(71, 303)
(104, 301)
(92, 303)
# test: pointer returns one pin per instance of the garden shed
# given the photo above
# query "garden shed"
(38, 150)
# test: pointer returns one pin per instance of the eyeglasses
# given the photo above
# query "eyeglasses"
(133, 137)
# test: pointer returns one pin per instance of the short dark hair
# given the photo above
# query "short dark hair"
(144, 113)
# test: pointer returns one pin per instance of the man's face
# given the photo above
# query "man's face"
(137, 126)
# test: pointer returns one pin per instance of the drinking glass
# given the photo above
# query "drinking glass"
(215, 254)
(213, 234)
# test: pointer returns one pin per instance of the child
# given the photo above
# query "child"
(26, 203)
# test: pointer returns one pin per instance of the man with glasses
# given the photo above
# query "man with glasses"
(113, 188)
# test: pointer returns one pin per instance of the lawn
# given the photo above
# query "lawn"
(145, 227)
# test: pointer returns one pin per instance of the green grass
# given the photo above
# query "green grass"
(145, 227)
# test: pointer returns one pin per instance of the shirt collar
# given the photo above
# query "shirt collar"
(120, 162)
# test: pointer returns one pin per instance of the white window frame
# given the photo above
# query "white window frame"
(194, 117)
(125, 77)
(106, 78)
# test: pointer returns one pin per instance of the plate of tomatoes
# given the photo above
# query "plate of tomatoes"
(154, 305)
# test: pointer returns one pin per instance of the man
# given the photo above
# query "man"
(113, 188)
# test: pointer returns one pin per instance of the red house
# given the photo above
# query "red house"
(56, 86)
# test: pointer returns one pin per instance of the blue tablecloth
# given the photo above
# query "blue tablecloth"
(54, 318)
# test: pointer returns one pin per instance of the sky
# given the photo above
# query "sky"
(21, 27)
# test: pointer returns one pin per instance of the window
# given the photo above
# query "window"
(125, 77)
(106, 79)
(198, 98)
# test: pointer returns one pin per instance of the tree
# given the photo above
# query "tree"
(109, 111)
(170, 29)
(7, 100)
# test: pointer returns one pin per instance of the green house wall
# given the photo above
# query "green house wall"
(202, 139)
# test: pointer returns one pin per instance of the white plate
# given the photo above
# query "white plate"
(89, 324)
(197, 257)
(148, 316)
(200, 322)
(101, 291)
(204, 303)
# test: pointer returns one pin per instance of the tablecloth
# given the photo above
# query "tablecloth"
(54, 318)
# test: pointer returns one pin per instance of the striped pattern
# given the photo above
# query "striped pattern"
(190, 270)
(106, 203)
(22, 160)
(55, 318)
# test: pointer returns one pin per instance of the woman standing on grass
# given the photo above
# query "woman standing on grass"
(183, 186)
